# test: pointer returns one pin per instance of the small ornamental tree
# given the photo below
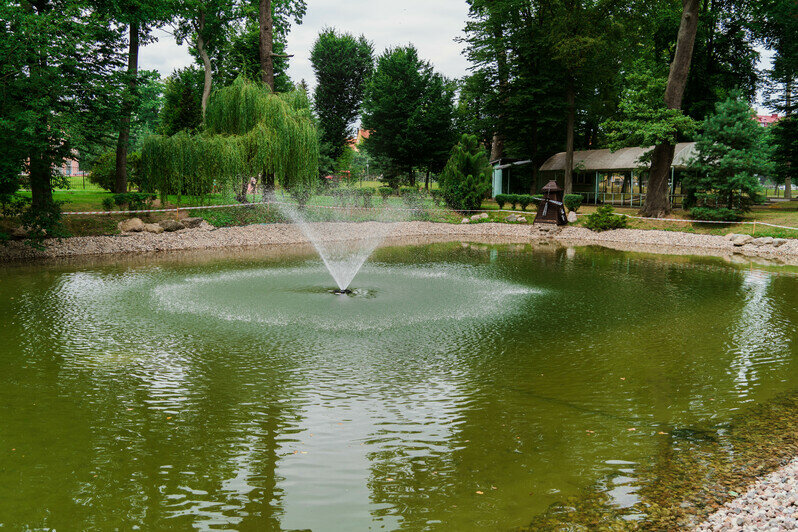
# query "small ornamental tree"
(466, 178)
(732, 153)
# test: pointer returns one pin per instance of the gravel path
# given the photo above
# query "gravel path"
(207, 237)
(771, 504)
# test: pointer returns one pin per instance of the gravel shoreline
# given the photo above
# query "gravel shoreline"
(770, 504)
(208, 237)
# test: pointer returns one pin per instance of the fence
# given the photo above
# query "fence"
(623, 198)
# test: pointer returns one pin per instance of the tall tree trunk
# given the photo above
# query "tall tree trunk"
(426, 181)
(497, 143)
(788, 112)
(266, 42)
(120, 186)
(568, 184)
(40, 184)
(206, 62)
(658, 203)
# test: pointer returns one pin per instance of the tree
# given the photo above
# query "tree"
(466, 178)
(731, 154)
(182, 101)
(140, 16)
(584, 35)
(57, 60)
(239, 55)
(784, 136)
(283, 11)
(657, 203)
(205, 22)
(342, 64)
(405, 106)
(247, 130)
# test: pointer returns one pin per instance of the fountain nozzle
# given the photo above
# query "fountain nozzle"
(342, 291)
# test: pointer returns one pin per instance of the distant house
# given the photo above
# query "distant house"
(70, 168)
(767, 120)
(362, 134)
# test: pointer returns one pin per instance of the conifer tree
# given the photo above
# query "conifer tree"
(732, 154)
(466, 177)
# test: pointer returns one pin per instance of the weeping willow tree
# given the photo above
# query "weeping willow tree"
(248, 132)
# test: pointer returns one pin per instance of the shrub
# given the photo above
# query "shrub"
(524, 200)
(572, 201)
(366, 194)
(385, 192)
(604, 219)
(437, 197)
(404, 191)
(103, 171)
(108, 204)
(719, 214)
(135, 201)
(502, 199)
(515, 199)
(466, 177)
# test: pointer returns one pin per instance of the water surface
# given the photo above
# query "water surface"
(462, 386)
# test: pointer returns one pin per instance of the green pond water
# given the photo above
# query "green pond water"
(233, 391)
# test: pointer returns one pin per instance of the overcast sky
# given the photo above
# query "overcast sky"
(431, 25)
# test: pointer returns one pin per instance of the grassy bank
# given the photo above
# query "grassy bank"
(84, 196)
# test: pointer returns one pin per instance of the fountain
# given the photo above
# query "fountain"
(343, 246)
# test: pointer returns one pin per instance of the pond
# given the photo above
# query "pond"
(460, 387)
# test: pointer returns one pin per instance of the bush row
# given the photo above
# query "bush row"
(572, 201)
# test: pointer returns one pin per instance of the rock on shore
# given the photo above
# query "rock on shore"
(205, 236)
(771, 504)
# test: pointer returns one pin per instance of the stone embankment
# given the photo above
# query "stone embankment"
(769, 505)
(196, 234)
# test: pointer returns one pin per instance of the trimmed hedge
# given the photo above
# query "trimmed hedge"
(385, 192)
(715, 214)
(524, 200)
(572, 201)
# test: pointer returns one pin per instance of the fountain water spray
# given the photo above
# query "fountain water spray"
(342, 246)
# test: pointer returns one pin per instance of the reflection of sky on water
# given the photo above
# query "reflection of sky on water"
(757, 336)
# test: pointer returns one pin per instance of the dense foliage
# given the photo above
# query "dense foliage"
(466, 177)
(248, 131)
(409, 110)
(342, 65)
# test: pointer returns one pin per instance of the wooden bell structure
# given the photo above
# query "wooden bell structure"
(551, 209)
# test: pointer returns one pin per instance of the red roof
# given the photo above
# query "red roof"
(767, 120)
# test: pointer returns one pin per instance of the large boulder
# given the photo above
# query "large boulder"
(572, 218)
(763, 241)
(191, 223)
(476, 217)
(170, 225)
(741, 240)
(131, 225)
(465, 221)
(777, 242)
(153, 228)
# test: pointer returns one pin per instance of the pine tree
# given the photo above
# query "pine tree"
(466, 177)
(732, 154)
